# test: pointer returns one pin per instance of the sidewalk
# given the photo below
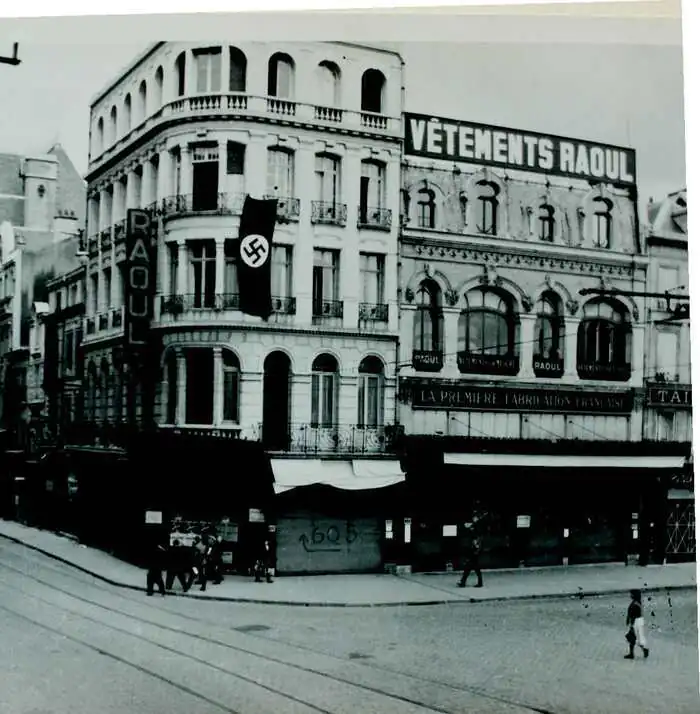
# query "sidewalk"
(372, 590)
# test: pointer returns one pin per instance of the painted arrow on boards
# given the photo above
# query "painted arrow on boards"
(304, 540)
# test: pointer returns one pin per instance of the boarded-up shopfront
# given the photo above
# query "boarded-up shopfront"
(331, 514)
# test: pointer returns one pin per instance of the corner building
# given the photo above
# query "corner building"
(522, 397)
(186, 132)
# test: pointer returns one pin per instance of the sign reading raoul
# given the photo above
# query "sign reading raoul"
(454, 140)
(139, 279)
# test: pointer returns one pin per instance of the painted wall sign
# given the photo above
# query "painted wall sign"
(461, 141)
(139, 279)
(670, 397)
(475, 397)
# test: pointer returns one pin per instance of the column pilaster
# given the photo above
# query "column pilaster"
(527, 345)
(185, 169)
(218, 387)
(570, 347)
(219, 270)
(181, 267)
(451, 341)
(180, 413)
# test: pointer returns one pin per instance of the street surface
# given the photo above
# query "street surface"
(74, 645)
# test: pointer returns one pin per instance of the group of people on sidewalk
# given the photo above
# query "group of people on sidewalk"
(197, 564)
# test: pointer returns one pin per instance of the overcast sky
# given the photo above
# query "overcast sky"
(627, 91)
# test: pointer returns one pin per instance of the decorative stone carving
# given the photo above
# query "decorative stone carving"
(526, 302)
(409, 295)
(572, 306)
(451, 297)
(635, 313)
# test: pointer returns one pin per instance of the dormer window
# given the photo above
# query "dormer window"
(545, 221)
(602, 226)
(426, 208)
(488, 201)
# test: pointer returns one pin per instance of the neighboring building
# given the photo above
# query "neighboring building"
(185, 132)
(522, 398)
(42, 199)
(668, 413)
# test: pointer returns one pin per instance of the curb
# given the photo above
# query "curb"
(579, 594)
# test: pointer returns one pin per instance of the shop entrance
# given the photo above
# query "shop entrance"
(276, 401)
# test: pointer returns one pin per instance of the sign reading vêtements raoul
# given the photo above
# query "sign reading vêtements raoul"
(254, 258)
(139, 279)
(516, 399)
(462, 141)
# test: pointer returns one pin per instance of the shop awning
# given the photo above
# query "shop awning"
(564, 461)
(362, 474)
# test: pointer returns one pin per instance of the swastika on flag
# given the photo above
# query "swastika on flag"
(254, 250)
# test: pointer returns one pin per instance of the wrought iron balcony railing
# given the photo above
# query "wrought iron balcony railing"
(176, 304)
(375, 218)
(373, 313)
(309, 438)
(329, 214)
(284, 305)
(328, 308)
(188, 204)
(287, 208)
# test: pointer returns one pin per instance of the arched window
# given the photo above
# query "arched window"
(548, 349)
(328, 78)
(487, 196)
(280, 76)
(370, 393)
(373, 82)
(604, 341)
(488, 333)
(238, 65)
(158, 94)
(171, 387)
(91, 393)
(104, 391)
(602, 226)
(143, 101)
(100, 138)
(545, 220)
(324, 391)
(127, 114)
(112, 126)
(427, 322)
(426, 208)
(231, 385)
(180, 75)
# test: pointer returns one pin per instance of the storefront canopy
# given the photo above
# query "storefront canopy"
(359, 475)
(564, 461)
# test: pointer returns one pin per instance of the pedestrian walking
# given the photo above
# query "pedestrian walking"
(215, 562)
(265, 563)
(635, 624)
(472, 564)
(200, 568)
(178, 567)
(156, 565)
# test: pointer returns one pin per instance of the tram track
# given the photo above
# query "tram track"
(400, 679)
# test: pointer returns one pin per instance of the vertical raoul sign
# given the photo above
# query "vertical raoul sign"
(139, 281)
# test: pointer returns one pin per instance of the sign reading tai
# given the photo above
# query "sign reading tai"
(456, 141)
(680, 397)
(139, 279)
(462, 397)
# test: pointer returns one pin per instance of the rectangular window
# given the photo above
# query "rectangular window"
(282, 271)
(208, 64)
(280, 173)
(95, 294)
(235, 158)
(328, 179)
(230, 395)
(372, 187)
(69, 351)
(203, 273)
(372, 278)
(323, 399)
(172, 267)
(370, 398)
(107, 288)
(325, 278)
(230, 270)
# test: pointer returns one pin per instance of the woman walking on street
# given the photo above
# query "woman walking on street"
(635, 623)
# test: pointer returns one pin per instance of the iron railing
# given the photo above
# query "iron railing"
(176, 304)
(184, 204)
(373, 313)
(328, 213)
(376, 218)
(288, 208)
(328, 308)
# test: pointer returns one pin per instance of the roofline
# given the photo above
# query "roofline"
(368, 47)
(126, 70)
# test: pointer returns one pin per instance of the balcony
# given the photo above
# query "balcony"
(120, 231)
(104, 324)
(287, 208)
(472, 363)
(97, 434)
(373, 313)
(378, 219)
(547, 366)
(106, 240)
(247, 107)
(316, 439)
(94, 245)
(327, 309)
(187, 204)
(329, 214)
(428, 360)
(177, 304)
(604, 372)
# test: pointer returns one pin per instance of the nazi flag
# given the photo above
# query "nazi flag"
(255, 256)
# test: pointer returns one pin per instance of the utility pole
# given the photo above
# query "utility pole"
(680, 311)
(14, 60)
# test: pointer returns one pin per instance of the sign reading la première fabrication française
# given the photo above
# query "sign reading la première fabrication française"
(461, 141)
(512, 399)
